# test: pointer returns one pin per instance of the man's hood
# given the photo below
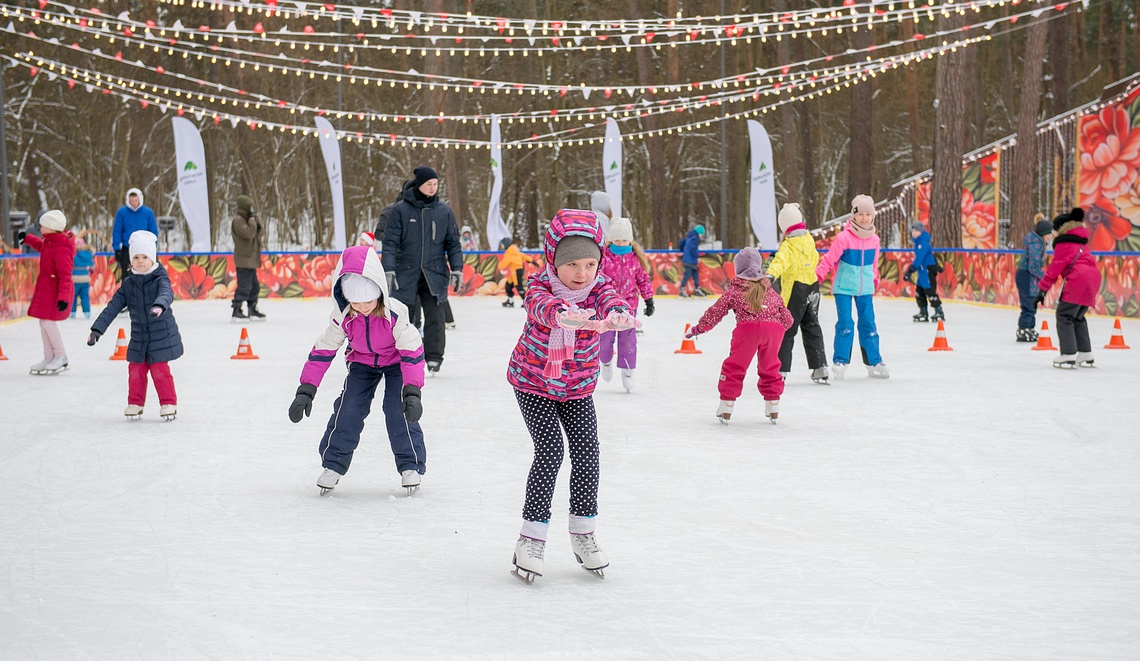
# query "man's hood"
(127, 197)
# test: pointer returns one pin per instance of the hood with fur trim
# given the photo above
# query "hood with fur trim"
(127, 197)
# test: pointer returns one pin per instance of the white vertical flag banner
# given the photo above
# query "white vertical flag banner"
(193, 193)
(496, 228)
(611, 168)
(762, 199)
(331, 150)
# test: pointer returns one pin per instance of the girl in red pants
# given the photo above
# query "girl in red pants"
(761, 320)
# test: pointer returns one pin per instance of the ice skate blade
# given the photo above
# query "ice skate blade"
(822, 382)
(772, 418)
(325, 490)
(724, 418)
(597, 571)
(524, 575)
(170, 418)
(137, 416)
(1065, 366)
(412, 490)
(1088, 365)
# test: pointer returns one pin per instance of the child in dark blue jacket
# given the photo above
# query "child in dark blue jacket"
(691, 261)
(924, 264)
(155, 340)
(1029, 273)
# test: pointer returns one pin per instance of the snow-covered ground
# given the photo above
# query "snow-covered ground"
(979, 504)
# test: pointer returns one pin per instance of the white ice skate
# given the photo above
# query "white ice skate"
(724, 411)
(819, 375)
(410, 480)
(627, 380)
(528, 559)
(328, 479)
(168, 412)
(1085, 359)
(1065, 361)
(38, 368)
(772, 409)
(607, 372)
(57, 365)
(589, 554)
(880, 371)
(133, 411)
(838, 370)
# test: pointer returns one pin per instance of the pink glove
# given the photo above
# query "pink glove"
(619, 321)
(575, 319)
(692, 333)
(156, 311)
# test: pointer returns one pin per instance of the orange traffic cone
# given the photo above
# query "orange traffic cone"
(2, 356)
(245, 349)
(688, 345)
(120, 346)
(1115, 342)
(940, 343)
(1044, 339)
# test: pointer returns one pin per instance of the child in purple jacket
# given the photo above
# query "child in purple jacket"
(621, 265)
(1072, 262)
(382, 346)
(553, 370)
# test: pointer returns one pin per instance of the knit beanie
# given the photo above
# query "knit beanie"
(917, 226)
(621, 230)
(505, 243)
(748, 264)
(699, 229)
(366, 239)
(54, 220)
(358, 289)
(1043, 228)
(575, 247)
(862, 204)
(423, 175)
(1075, 216)
(245, 203)
(144, 243)
(790, 214)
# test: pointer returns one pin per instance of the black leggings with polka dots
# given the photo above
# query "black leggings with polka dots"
(542, 416)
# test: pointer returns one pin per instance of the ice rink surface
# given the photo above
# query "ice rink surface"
(979, 504)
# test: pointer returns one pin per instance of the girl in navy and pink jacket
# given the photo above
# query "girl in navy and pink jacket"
(382, 346)
(1073, 263)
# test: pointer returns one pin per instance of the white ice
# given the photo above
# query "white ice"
(979, 504)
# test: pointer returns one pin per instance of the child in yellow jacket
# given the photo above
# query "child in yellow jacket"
(513, 263)
(794, 266)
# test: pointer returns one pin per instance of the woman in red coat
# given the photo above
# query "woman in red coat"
(54, 291)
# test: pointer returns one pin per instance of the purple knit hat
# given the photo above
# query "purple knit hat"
(749, 264)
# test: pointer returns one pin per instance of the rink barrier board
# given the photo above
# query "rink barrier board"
(978, 276)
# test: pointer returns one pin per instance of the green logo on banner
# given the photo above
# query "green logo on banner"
(189, 166)
(763, 166)
(494, 163)
(613, 166)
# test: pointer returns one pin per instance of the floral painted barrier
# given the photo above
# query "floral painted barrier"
(985, 276)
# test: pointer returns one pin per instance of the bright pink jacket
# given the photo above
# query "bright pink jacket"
(579, 374)
(628, 277)
(1073, 262)
(856, 264)
(774, 310)
(53, 284)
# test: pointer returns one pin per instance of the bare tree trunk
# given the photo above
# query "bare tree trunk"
(949, 132)
(1059, 62)
(659, 221)
(807, 117)
(789, 147)
(860, 165)
(1025, 165)
(910, 78)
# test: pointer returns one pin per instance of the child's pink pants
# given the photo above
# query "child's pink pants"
(761, 339)
(163, 383)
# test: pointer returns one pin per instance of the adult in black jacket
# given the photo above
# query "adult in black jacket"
(422, 256)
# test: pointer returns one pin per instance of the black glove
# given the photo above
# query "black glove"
(412, 408)
(61, 306)
(303, 402)
(909, 275)
(390, 276)
(93, 338)
(649, 307)
(1039, 300)
(20, 236)
(456, 280)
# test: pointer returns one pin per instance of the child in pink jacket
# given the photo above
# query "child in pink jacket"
(621, 265)
(382, 346)
(553, 370)
(1072, 262)
(761, 320)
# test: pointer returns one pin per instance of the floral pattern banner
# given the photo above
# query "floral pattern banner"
(980, 188)
(1108, 162)
(985, 276)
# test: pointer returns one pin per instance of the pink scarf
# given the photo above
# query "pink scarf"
(862, 231)
(561, 345)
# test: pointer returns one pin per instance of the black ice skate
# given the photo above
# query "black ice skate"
(1026, 335)
(509, 303)
(254, 313)
(433, 367)
(238, 316)
(921, 316)
(938, 314)
(820, 375)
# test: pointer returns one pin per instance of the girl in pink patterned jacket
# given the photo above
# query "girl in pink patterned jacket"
(761, 319)
(553, 370)
(621, 264)
(382, 346)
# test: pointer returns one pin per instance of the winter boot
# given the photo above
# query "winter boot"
(921, 316)
(724, 411)
(1065, 361)
(238, 316)
(528, 558)
(772, 409)
(607, 371)
(819, 375)
(1085, 359)
(254, 314)
(1026, 335)
(133, 411)
(589, 554)
(328, 479)
(627, 380)
(838, 369)
(879, 371)
(938, 314)
(410, 480)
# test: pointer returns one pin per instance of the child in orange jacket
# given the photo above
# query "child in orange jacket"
(513, 263)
